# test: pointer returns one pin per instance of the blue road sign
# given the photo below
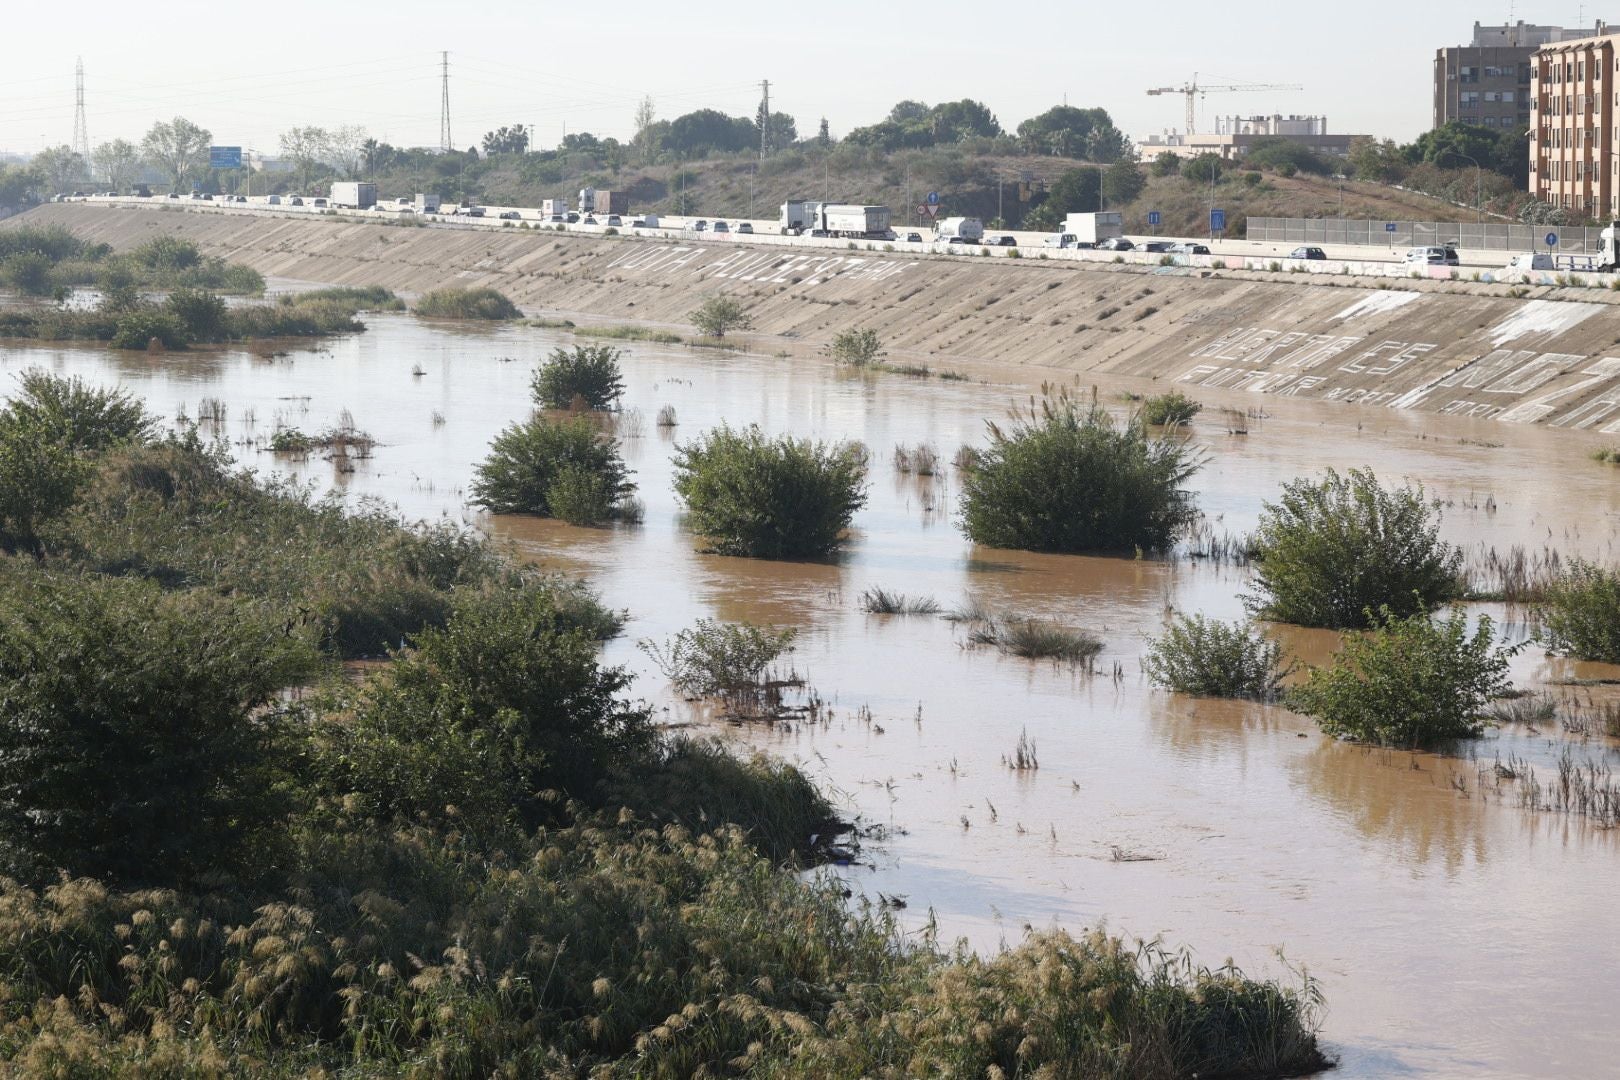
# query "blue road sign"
(224, 157)
(1153, 217)
(1217, 221)
(933, 198)
(1389, 226)
(1552, 239)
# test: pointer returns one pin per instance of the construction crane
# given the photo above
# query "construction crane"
(1195, 90)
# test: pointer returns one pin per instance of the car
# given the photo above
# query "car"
(700, 225)
(474, 211)
(1187, 247)
(590, 219)
(317, 202)
(78, 194)
(274, 200)
(956, 240)
(1158, 247)
(558, 219)
(1001, 241)
(614, 220)
(510, 215)
(573, 218)
(745, 227)
(1116, 243)
(1434, 255)
(295, 200)
(910, 238)
(721, 226)
(239, 198)
(1531, 260)
(1307, 253)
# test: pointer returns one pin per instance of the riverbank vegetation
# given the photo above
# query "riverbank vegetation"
(586, 376)
(42, 261)
(780, 498)
(555, 466)
(1210, 658)
(1066, 477)
(1579, 613)
(483, 304)
(222, 855)
(1334, 552)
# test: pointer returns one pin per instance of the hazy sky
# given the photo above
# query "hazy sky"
(247, 71)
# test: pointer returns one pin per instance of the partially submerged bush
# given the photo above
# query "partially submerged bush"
(359, 297)
(459, 303)
(549, 466)
(1170, 410)
(1334, 552)
(1410, 681)
(587, 373)
(768, 498)
(858, 348)
(716, 659)
(1067, 477)
(1211, 658)
(1580, 613)
(719, 315)
(140, 328)
(880, 601)
(1034, 638)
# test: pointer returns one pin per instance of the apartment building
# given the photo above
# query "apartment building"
(1487, 82)
(1574, 91)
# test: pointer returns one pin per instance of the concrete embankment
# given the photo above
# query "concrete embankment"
(1543, 355)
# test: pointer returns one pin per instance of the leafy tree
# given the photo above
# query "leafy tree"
(858, 348)
(71, 413)
(345, 150)
(1580, 613)
(1380, 161)
(118, 162)
(1168, 163)
(720, 314)
(305, 147)
(203, 313)
(527, 460)
(780, 131)
(1453, 143)
(513, 139)
(139, 735)
(1409, 682)
(1077, 191)
(177, 147)
(823, 134)
(1335, 552)
(588, 373)
(1204, 168)
(1067, 477)
(19, 187)
(646, 138)
(39, 480)
(1286, 156)
(953, 121)
(1122, 182)
(1066, 131)
(61, 167)
(707, 131)
(908, 111)
(779, 498)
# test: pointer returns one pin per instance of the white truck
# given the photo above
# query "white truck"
(965, 230)
(1089, 230)
(851, 221)
(797, 217)
(427, 204)
(554, 208)
(1609, 251)
(355, 195)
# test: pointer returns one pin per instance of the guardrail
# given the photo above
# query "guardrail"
(950, 252)
(1482, 235)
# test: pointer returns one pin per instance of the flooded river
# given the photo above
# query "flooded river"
(1454, 933)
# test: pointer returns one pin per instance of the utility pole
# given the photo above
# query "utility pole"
(445, 142)
(81, 133)
(765, 120)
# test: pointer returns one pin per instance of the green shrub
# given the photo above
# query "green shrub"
(1064, 477)
(359, 297)
(1409, 681)
(291, 441)
(580, 496)
(589, 373)
(168, 253)
(1211, 658)
(70, 412)
(29, 272)
(1332, 552)
(483, 716)
(526, 460)
(55, 242)
(1580, 613)
(858, 348)
(201, 313)
(716, 659)
(768, 498)
(458, 303)
(139, 729)
(139, 328)
(39, 480)
(1170, 410)
(720, 314)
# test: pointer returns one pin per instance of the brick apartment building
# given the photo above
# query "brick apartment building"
(1574, 90)
(1487, 82)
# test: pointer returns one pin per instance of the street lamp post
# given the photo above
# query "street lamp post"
(1479, 188)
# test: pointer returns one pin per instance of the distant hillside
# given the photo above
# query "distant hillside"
(967, 185)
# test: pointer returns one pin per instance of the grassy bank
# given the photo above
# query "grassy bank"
(43, 261)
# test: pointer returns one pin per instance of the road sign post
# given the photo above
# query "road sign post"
(933, 198)
(1153, 221)
(224, 157)
(1552, 240)
(1217, 222)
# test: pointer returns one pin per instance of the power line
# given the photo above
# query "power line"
(445, 141)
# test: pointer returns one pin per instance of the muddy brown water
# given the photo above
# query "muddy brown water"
(1453, 932)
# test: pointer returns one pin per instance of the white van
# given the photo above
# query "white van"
(1434, 255)
(1530, 260)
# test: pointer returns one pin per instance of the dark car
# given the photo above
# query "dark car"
(510, 215)
(1002, 241)
(1159, 247)
(1116, 243)
(1307, 253)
